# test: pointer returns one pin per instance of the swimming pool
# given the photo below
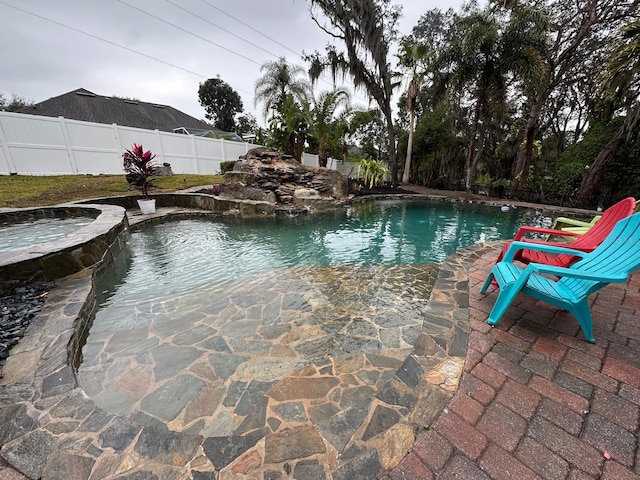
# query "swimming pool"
(180, 256)
(238, 330)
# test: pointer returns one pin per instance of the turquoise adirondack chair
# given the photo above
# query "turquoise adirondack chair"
(568, 287)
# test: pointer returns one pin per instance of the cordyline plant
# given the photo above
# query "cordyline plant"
(140, 168)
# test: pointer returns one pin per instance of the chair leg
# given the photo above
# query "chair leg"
(582, 313)
(503, 302)
(502, 252)
(487, 282)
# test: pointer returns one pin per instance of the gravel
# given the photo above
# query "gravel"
(17, 309)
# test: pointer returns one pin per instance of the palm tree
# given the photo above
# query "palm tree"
(486, 57)
(622, 83)
(279, 80)
(477, 68)
(323, 121)
(411, 56)
(289, 127)
(366, 27)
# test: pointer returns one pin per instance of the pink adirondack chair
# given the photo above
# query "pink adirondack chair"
(586, 242)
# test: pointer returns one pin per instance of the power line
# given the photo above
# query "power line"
(187, 31)
(221, 28)
(269, 38)
(96, 37)
(251, 28)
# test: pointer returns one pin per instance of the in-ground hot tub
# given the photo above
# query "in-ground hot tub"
(46, 243)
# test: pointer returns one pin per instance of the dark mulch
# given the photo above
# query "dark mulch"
(357, 188)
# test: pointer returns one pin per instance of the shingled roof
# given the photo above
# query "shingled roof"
(87, 106)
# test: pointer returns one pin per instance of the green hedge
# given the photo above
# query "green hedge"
(227, 166)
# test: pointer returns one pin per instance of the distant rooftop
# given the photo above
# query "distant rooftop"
(86, 106)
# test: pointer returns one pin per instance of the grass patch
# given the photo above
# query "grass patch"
(19, 191)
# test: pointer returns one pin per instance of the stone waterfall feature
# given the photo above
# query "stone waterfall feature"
(266, 175)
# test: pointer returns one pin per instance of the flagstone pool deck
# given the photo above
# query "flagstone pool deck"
(529, 398)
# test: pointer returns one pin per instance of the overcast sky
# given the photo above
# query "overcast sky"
(158, 51)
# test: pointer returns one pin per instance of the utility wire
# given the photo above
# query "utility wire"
(221, 28)
(102, 39)
(269, 38)
(187, 31)
(251, 28)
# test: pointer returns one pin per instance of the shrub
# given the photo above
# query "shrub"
(372, 172)
(226, 166)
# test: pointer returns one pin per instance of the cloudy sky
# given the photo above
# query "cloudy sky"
(158, 51)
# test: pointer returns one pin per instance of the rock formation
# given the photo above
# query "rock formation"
(266, 175)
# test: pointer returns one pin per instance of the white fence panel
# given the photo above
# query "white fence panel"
(310, 160)
(147, 138)
(178, 151)
(39, 148)
(233, 150)
(92, 147)
(208, 155)
(36, 145)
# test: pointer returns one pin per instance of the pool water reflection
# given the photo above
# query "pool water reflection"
(180, 256)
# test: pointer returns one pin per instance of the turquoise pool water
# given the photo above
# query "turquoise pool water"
(231, 302)
(179, 256)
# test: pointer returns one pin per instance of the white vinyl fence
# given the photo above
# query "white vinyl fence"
(37, 145)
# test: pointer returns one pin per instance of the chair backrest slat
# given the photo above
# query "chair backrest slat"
(601, 230)
(618, 253)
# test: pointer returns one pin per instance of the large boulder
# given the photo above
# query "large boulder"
(264, 169)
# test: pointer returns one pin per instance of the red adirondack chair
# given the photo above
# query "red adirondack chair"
(586, 242)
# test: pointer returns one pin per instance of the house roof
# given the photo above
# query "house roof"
(87, 106)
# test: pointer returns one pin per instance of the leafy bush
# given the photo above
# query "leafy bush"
(484, 179)
(226, 166)
(372, 172)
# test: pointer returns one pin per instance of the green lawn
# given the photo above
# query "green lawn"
(17, 191)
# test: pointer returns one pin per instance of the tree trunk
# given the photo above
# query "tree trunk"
(391, 146)
(604, 158)
(322, 155)
(471, 174)
(597, 169)
(299, 148)
(523, 160)
(472, 147)
(407, 162)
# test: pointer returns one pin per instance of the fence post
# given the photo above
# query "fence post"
(116, 136)
(194, 151)
(67, 142)
(159, 150)
(7, 152)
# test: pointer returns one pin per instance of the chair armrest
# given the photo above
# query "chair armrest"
(573, 273)
(585, 249)
(540, 247)
(576, 223)
(546, 231)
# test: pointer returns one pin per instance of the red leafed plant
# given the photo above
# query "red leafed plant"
(141, 169)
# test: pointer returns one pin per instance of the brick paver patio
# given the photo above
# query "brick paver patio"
(535, 399)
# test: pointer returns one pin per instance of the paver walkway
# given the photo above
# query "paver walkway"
(535, 399)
